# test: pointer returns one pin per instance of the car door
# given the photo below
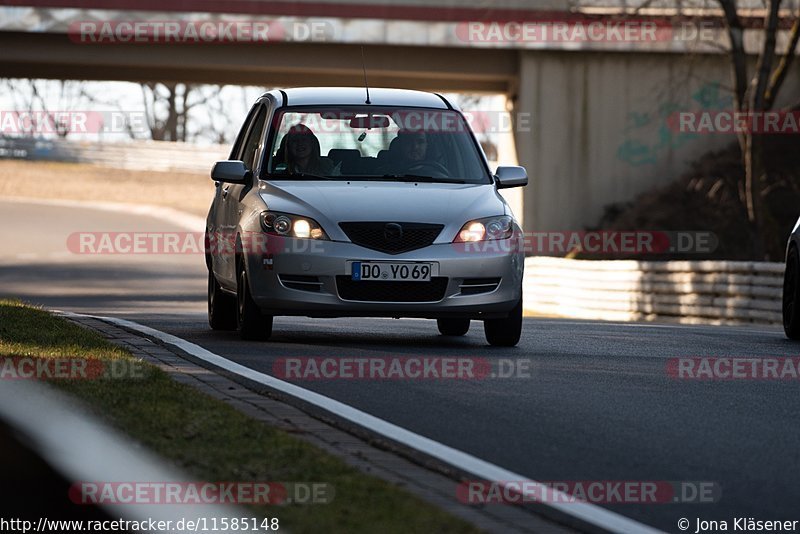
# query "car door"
(216, 238)
(231, 195)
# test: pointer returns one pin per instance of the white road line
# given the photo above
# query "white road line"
(584, 512)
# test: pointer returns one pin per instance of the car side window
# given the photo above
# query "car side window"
(236, 151)
(254, 139)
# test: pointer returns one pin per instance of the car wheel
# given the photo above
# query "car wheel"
(253, 325)
(791, 287)
(221, 306)
(505, 332)
(453, 327)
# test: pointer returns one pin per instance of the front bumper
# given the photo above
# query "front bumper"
(323, 261)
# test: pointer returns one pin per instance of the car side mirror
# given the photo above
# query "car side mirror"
(511, 177)
(232, 172)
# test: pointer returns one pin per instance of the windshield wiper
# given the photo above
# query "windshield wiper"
(299, 176)
(422, 178)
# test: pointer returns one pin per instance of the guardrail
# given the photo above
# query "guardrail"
(134, 155)
(137, 155)
(703, 292)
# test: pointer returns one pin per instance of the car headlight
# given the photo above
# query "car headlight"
(288, 225)
(486, 229)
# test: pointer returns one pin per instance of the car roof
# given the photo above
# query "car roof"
(379, 96)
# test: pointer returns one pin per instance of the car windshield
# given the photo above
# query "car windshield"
(370, 143)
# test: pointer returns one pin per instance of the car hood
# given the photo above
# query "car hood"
(330, 203)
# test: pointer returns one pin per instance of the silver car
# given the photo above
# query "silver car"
(340, 202)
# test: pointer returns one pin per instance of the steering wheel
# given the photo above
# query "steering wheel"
(439, 170)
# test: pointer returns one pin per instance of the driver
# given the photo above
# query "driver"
(409, 153)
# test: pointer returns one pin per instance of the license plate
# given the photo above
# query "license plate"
(392, 272)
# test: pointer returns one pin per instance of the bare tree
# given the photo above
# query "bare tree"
(756, 93)
(165, 119)
(50, 98)
(168, 112)
(171, 112)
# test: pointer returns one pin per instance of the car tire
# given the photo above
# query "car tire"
(221, 306)
(505, 332)
(791, 292)
(253, 325)
(453, 327)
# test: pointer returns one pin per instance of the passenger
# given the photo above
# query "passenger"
(302, 153)
(412, 147)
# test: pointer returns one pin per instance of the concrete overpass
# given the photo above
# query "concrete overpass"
(595, 127)
(55, 56)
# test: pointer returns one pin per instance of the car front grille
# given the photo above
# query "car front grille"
(374, 235)
(368, 291)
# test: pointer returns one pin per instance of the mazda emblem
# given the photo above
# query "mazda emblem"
(393, 232)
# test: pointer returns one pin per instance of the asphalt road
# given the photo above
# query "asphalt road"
(598, 403)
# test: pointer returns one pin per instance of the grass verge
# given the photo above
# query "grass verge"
(212, 441)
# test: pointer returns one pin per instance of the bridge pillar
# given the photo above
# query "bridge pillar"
(595, 128)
